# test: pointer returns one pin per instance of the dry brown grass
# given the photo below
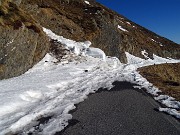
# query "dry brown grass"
(165, 76)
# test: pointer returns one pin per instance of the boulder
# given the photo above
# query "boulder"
(22, 41)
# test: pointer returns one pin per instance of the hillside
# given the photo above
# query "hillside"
(74, 19)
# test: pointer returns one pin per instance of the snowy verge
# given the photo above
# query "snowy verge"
(51, 90)
(130, 72)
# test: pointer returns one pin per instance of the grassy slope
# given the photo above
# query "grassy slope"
(165, 76)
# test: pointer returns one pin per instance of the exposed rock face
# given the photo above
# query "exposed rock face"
(80, 21)
(22, 41)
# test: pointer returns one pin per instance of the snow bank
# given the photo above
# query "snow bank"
(139, 62)
(79, 48)
(50, 89)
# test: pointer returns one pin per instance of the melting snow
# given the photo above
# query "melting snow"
(87, 2)
(145, 54)
(139, 62)
(157, 42)
(128, 23)
(13, 48)
(170, 111)
(9, 42)
(79, 48)
(50, 89)
(153, 40)
(161, 44)
(121, 28)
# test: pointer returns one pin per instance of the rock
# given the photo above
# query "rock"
(22, 41)
(58, 50)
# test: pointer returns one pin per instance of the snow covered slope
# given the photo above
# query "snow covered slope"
(38, 101)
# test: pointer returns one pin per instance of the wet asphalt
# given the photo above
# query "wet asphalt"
(121, 111)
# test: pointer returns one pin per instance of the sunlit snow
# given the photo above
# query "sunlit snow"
(145, 54)
(121, 28)
(87, 2)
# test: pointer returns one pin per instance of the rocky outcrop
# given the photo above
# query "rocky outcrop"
(22, 41)
(80, 21)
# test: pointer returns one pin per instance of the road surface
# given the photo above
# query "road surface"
(121, 111)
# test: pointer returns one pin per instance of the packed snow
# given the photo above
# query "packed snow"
(121, 28)
(51, 89)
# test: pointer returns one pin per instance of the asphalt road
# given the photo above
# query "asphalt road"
(121, 111)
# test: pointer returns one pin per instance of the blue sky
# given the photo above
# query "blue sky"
(159, 16)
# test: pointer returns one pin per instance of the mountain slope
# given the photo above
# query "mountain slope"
(107, 30)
